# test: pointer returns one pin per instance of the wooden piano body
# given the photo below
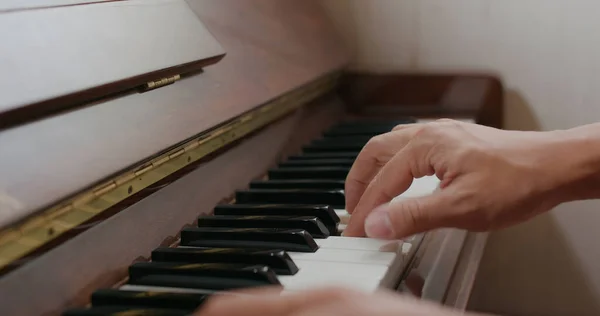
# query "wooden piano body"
(122, 121)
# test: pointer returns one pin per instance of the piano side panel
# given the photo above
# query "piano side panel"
(445, 267)
(44, 162)
(68, 274)
(433, 95)
(466, 271)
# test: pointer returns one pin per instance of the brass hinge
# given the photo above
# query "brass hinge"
(79, 211)
(161, 83)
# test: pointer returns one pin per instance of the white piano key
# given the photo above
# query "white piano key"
(345, 255)
(343, 215)
(420, 187)
(358, 243)
(313, 274)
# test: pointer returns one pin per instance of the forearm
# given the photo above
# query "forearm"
(577, 161)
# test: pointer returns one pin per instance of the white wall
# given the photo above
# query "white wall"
(548, 54)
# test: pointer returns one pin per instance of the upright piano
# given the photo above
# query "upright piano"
(155, 152)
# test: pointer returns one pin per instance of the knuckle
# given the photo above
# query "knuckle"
(376, 150)
(423, 131)
(466, 153)
(429, 132)
(374, 143)
(411, 213)
(398, 127)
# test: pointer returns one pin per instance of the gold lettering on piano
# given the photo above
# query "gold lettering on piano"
(161, 83)
(81, 209)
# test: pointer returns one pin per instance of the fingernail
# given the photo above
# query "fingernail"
(378, 224)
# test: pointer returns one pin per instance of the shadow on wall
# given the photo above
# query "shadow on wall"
(531, 269)
(518, 114)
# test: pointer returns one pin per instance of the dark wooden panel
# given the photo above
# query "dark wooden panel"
(48, 284)
(45, 161)
(56, 58)
(479, 96)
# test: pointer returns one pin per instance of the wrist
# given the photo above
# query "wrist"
(575, 163)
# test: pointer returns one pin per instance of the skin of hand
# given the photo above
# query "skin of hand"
(489, 178)
(326, 301)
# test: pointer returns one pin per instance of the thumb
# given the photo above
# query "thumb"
(406, 217)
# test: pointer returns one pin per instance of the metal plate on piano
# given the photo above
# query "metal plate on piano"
(64, 56)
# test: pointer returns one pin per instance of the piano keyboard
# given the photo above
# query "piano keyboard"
(284, 231)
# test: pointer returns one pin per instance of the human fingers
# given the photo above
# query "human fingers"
(407, 217)
(263, 302)
(406, 126)
(393, 179)
(381, 303)
(374, 155)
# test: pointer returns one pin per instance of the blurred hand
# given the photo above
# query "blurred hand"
(490, 178)
(321, 302)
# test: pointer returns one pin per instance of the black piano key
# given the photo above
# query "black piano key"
(124, 310)
(276, 259)
(317, 163)
(318, 184)
(325, 213)
(331, 155)
(148, 299)
(311, 224)
(334, 173)
(263, 238)
(334, 198)
(207, 276)
(329, 147)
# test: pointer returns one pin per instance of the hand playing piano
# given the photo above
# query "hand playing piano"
(490, 178)
(322, 302)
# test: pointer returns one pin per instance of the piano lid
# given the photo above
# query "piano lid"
(76, 51)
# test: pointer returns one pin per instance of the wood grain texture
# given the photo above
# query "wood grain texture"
(47, 285)
(480, 96)
(273, 46)
(61, 57)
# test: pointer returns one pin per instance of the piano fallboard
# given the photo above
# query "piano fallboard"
(101, 181)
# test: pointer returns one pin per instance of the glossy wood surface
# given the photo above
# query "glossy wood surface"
(49, 284)
(478, 96)
(273, 46)
(58, 58)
